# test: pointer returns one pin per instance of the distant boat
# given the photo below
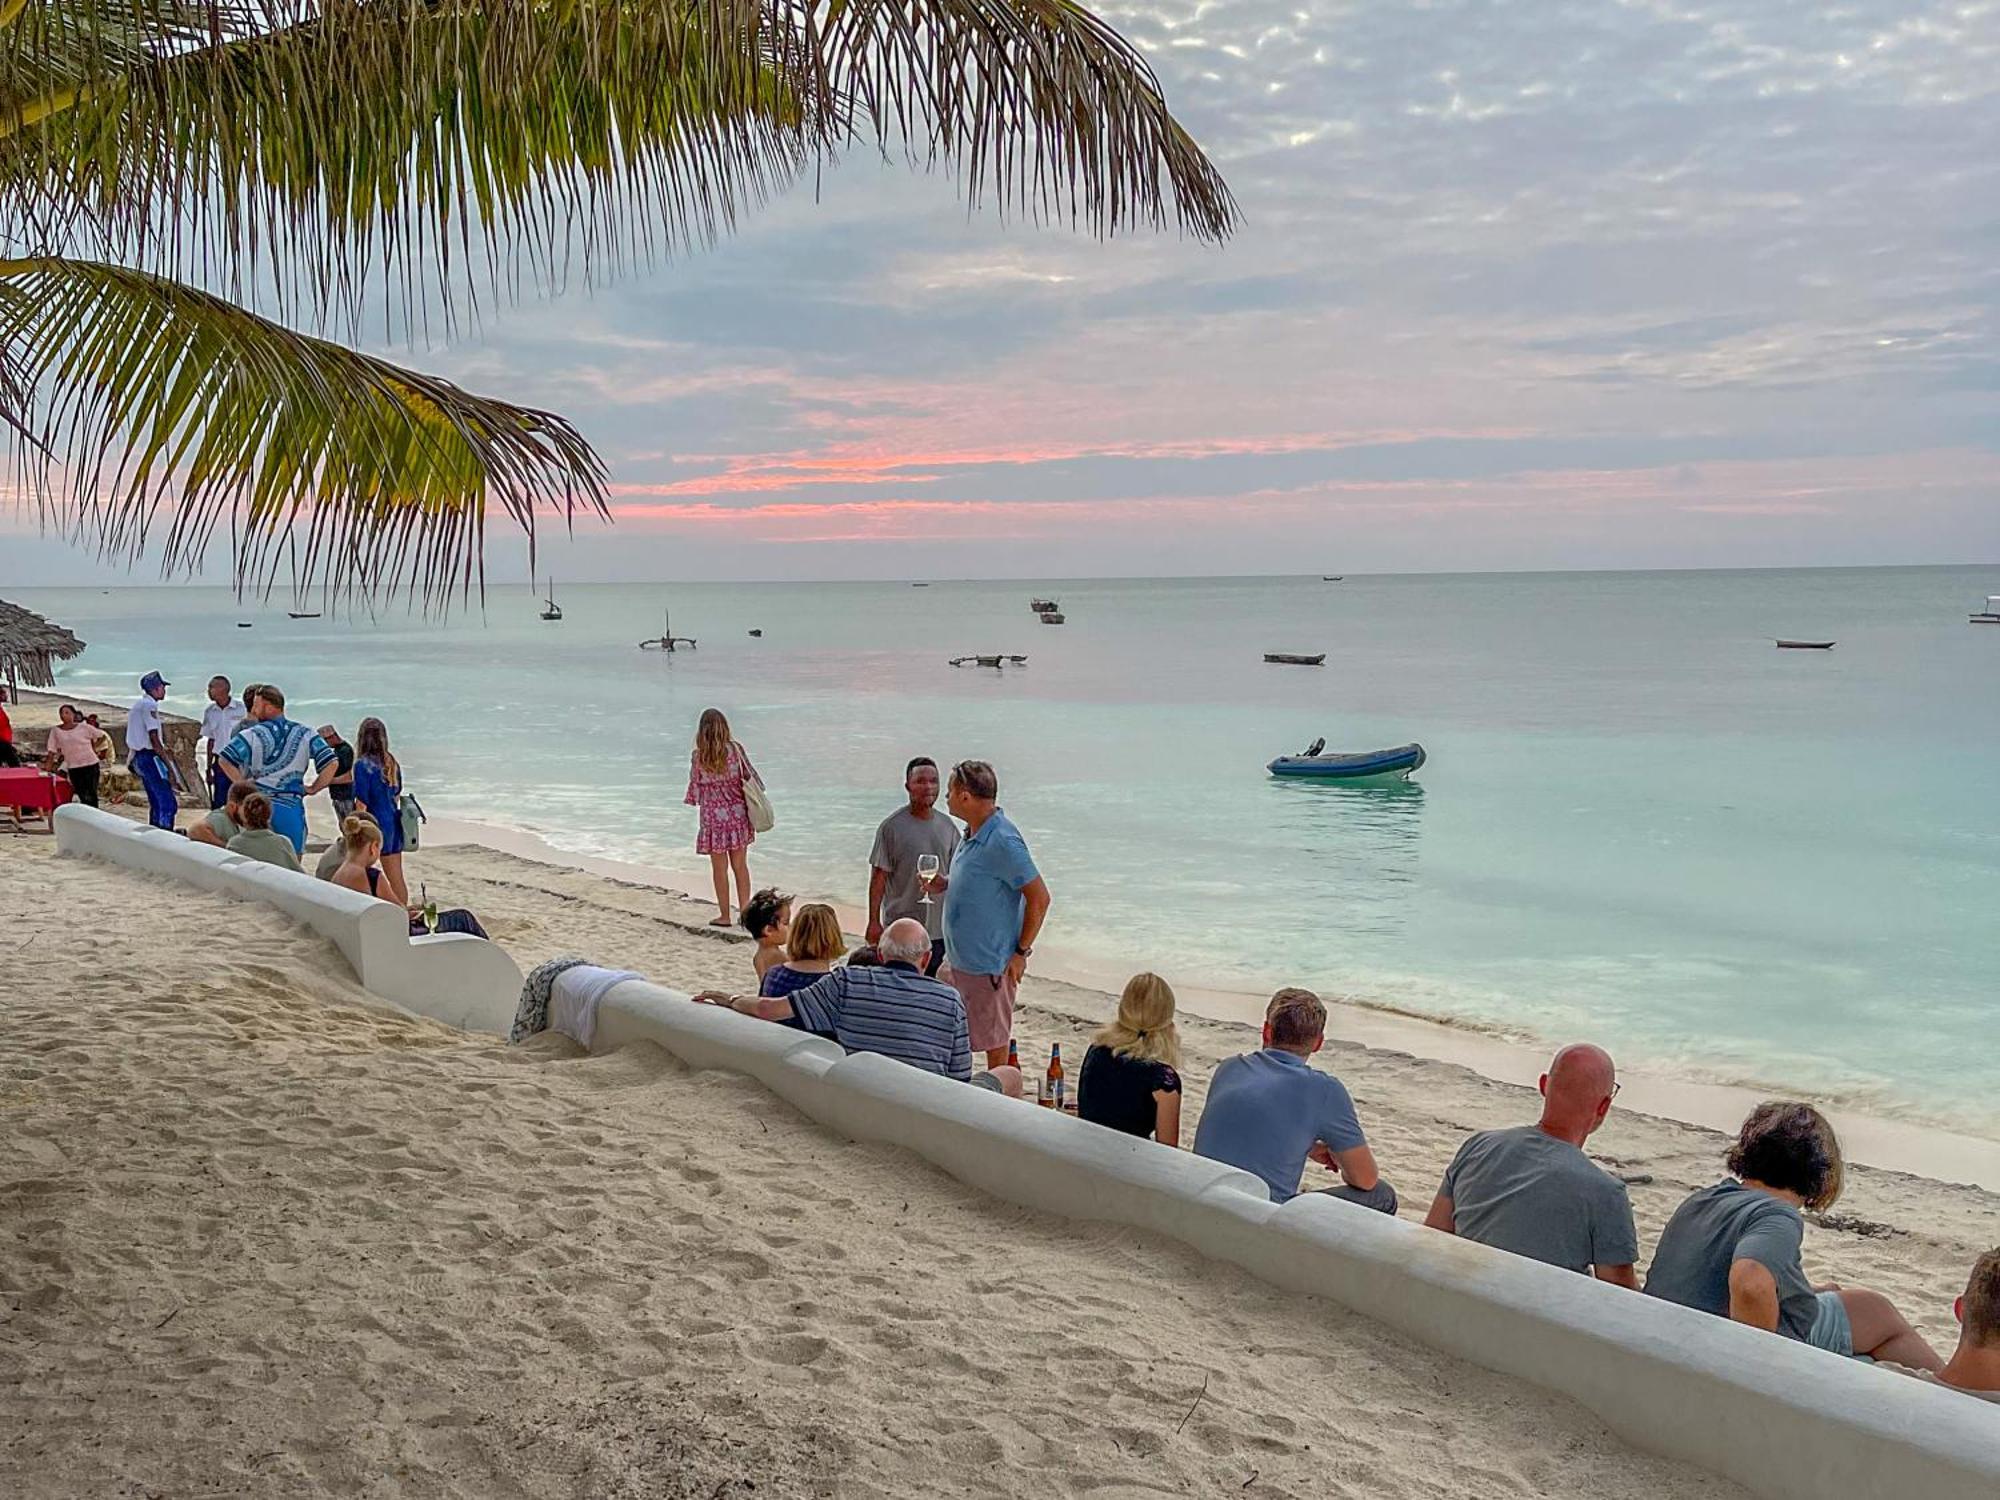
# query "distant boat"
(1989, 615)
(1805, 645)
(989, 661)
(1363, 765)
(297, 614)
(243, 625)
(920, 585)
(668, 641)
(551, 610)
(758, 633)
(1052, 617)
(1331, 577)
(1043, 606)
(1287, 659)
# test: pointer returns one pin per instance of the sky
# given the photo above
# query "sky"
(1577, 284)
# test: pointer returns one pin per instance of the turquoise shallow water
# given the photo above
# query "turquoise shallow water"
(1640, 822)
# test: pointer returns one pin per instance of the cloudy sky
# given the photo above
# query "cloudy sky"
(1580, 283)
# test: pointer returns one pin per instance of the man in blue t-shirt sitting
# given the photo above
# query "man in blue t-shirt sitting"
(1271, 1112)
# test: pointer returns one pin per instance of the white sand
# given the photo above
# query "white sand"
(259, 1236)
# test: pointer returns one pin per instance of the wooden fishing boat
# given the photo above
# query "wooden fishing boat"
(667, 640)
(1989, 615)
(988, 661)
(1286, 658)
(1331, 577)
(1043, 606)
(300, 614)
(1394, 764)
(1052, 617)
(1784, 645)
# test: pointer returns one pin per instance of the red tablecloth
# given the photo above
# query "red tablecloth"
(28, 790)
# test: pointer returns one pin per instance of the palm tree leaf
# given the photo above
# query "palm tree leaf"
(1038, 102)
(163, 414)
(326, 141)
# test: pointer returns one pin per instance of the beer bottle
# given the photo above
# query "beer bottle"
(1013, 1054)
(1052, 1085)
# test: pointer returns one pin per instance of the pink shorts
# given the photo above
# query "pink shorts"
(989, 1008)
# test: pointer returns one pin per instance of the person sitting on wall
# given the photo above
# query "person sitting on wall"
(254, 838)
(1734, 1249)
(1271, 1112)
(813, 941)
(1975, 1367)
(891, 1008)
(219, 825)
(361, 847)
(1530, 1189)
(767, 917)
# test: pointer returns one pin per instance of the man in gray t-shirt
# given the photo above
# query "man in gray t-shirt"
(1532, 1191)
(894, 888)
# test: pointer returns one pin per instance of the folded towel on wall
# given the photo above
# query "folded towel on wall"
(532, 1014)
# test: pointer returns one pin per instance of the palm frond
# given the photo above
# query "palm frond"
(329, 140)
(1038, 102)
(337, 142)
(163, 414)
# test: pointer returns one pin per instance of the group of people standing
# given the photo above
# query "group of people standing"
(978, 937)
(936, 986)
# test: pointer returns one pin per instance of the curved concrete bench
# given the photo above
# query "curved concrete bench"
(1786, 1421)
(462, 981)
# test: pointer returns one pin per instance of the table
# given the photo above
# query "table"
(26, 790)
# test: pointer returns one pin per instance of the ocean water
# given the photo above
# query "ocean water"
(1640, 822)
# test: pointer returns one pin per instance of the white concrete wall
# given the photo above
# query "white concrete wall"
(1783, 1420)
(462, 981)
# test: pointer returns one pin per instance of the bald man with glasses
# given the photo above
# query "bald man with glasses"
(1531, 1189)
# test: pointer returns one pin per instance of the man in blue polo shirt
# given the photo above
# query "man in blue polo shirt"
(1271, 1112)
(994, 905)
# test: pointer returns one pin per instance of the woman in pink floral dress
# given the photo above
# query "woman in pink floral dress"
(716, 773)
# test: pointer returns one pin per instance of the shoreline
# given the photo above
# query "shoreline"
(1916, 1148)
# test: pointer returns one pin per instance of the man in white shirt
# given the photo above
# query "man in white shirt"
(219, 723)
(146, 741)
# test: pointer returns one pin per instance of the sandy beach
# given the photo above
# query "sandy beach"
(258, 1234)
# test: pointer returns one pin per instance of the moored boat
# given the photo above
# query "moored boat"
(1785, 645)
(1989, 615)
(1288, 659)
(1052, 617)
(1043, 606)
(1362, 765)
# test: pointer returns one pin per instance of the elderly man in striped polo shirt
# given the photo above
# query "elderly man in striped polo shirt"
(891, 1008)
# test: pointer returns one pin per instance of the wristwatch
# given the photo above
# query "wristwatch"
(1024, 952)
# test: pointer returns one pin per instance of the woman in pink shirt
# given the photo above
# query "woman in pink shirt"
(72, 750)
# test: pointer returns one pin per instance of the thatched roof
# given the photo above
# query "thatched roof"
(30, 646)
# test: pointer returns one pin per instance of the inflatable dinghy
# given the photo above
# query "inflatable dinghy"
(1358, 766)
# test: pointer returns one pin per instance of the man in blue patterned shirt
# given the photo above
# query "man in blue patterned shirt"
(275, 754)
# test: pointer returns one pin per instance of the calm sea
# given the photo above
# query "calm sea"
(1640, 822)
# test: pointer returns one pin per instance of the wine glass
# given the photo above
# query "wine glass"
(927, 871)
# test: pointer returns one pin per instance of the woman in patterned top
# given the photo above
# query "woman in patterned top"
(1130, 1080)
(717, 772)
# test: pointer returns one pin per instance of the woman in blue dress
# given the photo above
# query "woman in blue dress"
(378, 788)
